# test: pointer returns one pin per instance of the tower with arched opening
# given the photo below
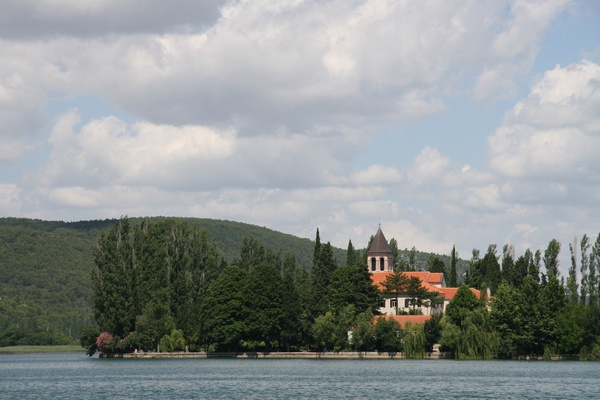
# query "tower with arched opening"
(379, 255)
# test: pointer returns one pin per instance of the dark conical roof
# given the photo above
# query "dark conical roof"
(380, 244)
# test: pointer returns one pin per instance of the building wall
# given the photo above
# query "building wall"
(387, 307)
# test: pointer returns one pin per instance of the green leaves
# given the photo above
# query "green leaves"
(463, 302)
(150, 278)
(474, 337)
(222, 311)
(352, 285)
(262, 303)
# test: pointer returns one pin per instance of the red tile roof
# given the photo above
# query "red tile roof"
(428, 280)
(436, 278)
(449, 293)
(379, 277)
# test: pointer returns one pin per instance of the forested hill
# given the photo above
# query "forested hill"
(46, 268)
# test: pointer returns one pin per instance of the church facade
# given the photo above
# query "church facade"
(380, 262)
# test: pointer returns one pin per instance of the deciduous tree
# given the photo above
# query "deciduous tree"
(222, 312)
(551, 258)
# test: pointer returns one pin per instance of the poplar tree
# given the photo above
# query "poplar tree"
(252, 253)
(291, 304)
(572, 287)
(594, 269)
(551, 258)
(508, 264)
(395, 253)
(114, 281)
(584, 246)
(474, 273)
(412, 261)
(535, 265)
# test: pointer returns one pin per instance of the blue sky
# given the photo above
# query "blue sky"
(450, 122)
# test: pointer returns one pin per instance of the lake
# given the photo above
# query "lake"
(75, 376)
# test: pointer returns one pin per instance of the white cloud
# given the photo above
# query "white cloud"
(428, 166)
(12, 149)
(257, 111)
(10, 200)
(515, 47)
(555, 133)
(109, 150)
(264, 65)
(378, 174)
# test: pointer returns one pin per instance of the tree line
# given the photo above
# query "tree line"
(534, 313)
(162, 286)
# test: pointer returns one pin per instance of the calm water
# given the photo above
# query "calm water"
(74, 376)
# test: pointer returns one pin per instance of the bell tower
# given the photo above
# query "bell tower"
(379, 256)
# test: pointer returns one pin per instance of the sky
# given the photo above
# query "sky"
(448, 122)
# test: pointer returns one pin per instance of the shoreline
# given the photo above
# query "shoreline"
(308, 355)
(330, 355)
(42, 349)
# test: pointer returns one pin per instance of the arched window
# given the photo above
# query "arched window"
(381, 263)
(373, 262)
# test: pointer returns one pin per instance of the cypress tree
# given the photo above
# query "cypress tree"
(321, 277)
(452, 278)
(351, 255)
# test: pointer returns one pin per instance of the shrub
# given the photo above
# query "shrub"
(105, 342)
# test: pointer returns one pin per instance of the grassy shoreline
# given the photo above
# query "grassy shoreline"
(71, 348)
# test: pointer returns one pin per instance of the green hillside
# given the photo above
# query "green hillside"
(46, 266)
(45, 270)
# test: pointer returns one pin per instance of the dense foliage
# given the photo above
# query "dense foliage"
(531, 313)
(167, 284)
(46, 270)
(163, 282)
(45, 282)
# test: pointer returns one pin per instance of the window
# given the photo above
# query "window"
(381, 264)
(406, 303)
(373, 262)
(393, 303)
(383, 303)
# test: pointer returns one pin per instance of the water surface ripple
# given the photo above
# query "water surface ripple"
(74, 376)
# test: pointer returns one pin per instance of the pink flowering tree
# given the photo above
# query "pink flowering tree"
(105, 342)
